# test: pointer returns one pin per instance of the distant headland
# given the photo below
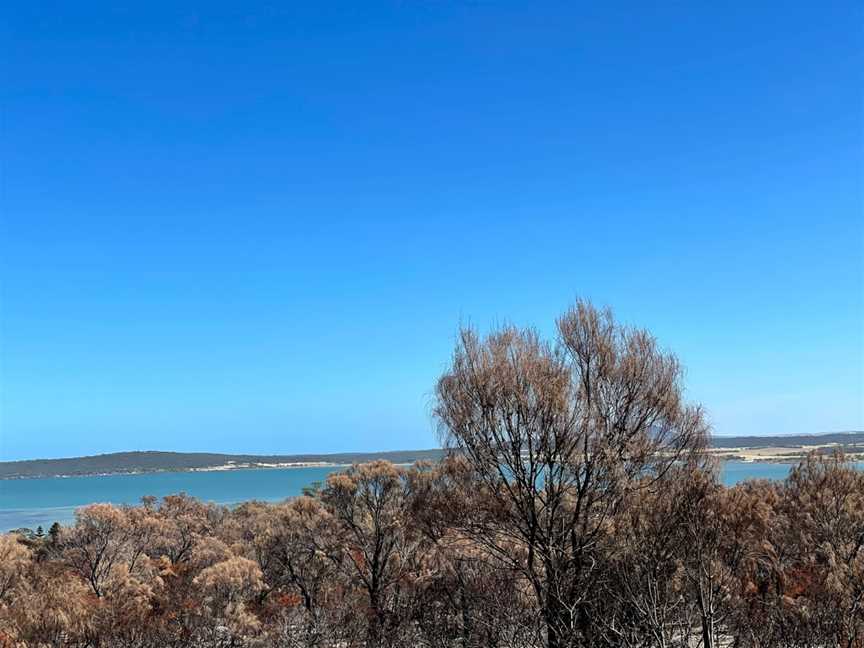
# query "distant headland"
(138, 462)
(783, 448)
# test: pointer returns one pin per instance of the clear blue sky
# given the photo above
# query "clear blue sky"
(256, 227)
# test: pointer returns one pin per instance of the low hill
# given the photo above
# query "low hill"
(839, 438)
(152, 461)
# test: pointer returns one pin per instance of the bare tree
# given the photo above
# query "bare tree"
(303, 572)
(824, 503)
(372, 544)
(184, 521)
(466, 597)
(557, 436)
(99, 540)
(643, 599)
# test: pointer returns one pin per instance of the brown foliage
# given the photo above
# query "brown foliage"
(557, 437)
(576, 509)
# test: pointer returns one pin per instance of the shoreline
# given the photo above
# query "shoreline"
(742, 455)
(16, 514)
(790, 454)
(203, 469)
(156, 471)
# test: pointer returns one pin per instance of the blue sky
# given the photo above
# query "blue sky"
(256, 227)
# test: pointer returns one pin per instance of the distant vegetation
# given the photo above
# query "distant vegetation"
(152, 461)
(839, 438)
(136, 462)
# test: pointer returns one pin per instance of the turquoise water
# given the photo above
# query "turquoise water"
(33, 502)
(732, 472)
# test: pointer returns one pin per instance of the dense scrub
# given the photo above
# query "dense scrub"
(577, 509)
(387, 556)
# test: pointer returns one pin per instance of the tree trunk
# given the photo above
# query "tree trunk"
(707, 634)
(707, 622)
(552, 638)
(557, 635)
(467, 623)
(376, 620)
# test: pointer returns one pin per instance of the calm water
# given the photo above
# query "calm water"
(34, 502)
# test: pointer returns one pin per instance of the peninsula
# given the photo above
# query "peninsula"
(786, 449)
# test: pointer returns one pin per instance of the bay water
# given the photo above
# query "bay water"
(40, 502)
